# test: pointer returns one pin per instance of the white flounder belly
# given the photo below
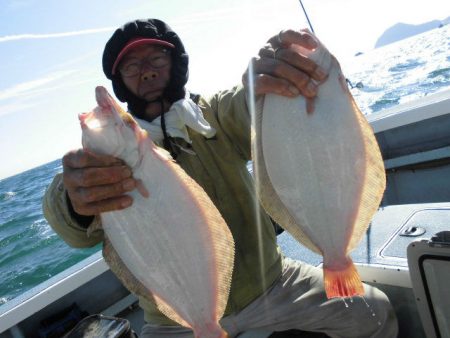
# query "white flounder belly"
(169, 241)
(316, 162)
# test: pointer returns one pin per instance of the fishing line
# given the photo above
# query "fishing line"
(252, 108)
(359, 85)
(307, 18)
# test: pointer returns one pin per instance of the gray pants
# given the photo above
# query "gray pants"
(297, 301)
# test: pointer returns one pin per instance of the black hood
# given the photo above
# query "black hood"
(154, 29)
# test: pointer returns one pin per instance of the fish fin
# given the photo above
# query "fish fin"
(162, 154)
(343, 282)
(217, 235)
(213, 330)
(142, 134)
(167, 310)
(374, 177)
(119, 268)
(210, 330)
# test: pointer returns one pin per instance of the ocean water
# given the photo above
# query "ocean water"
(30, 252)
(401, 72)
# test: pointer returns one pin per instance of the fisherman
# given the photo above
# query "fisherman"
(148, 66)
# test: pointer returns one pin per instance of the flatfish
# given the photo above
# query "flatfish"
(171, 246)
(321, 175)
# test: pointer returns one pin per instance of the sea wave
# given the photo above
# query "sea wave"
(408, 65)
(6, 196)
(401, 72)
(42, 229)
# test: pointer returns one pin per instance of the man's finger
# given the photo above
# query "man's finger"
(81, 158)
(310, 105)
(111, 204)
(299, 61)
(102, 192)
(265, 84)
(289, 36)
(89, 177)
(267, 68)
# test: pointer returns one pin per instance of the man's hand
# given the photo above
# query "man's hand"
(96, 183)
(280, 69)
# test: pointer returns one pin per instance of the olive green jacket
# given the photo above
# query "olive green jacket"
(219, 165)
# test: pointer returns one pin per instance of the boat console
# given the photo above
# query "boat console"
(429, 266)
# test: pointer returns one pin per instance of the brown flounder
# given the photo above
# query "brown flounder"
(171, 246)
(321, 175)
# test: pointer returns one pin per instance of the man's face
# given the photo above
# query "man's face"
(145, 70)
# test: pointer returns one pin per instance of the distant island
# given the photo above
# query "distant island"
(402, 31)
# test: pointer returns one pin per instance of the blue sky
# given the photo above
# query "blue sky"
(50, 53)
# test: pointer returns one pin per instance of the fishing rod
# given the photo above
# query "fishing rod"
(307, 18)
(359, 85)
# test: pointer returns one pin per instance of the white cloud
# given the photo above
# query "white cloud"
(28, 87)
(55, 35)
(14, 107)
(32, 94)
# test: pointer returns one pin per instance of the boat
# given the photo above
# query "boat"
(405, 253)
(413, 218)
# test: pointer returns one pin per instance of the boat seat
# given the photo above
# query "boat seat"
(429, 266)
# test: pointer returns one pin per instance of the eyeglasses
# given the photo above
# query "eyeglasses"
(133, 66)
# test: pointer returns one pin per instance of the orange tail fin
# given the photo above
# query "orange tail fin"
(212, 330)
(343, 283)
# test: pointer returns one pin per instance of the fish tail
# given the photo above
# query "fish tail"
(212, 331)
(222, 334)
(343, 282)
